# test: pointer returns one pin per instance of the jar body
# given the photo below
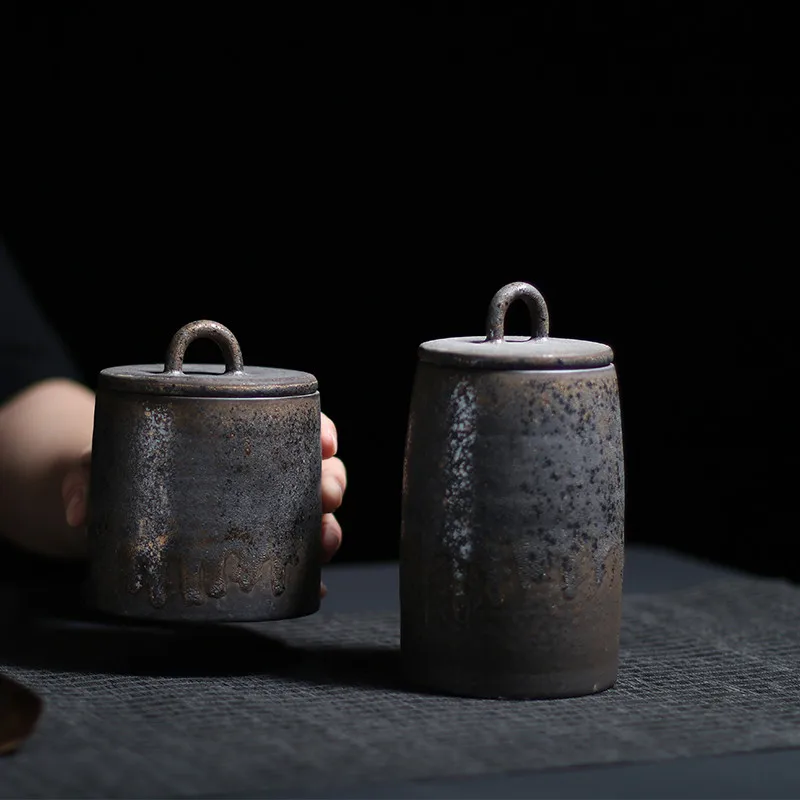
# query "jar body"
(205, 508)
(512, 537)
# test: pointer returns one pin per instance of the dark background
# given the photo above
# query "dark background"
(339, 187)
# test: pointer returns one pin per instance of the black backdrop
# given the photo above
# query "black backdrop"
(337, 190)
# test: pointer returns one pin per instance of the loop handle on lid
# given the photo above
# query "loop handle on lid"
(204, 329)
(496, 318)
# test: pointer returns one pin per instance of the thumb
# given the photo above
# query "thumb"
(75, 493)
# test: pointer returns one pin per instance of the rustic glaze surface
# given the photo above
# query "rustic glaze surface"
(512, 530)
(205, 508)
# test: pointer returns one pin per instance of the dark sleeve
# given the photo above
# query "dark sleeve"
(30, 350)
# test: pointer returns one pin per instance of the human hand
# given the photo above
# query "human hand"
(334, 484)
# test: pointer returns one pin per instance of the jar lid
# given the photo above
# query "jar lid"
(173, 377)
(498, 351)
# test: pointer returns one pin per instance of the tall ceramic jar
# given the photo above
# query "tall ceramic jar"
(512, 534)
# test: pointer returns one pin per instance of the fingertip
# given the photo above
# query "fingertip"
(73, 494)
(329, 437)
(331, 536)
(75, 510)
(332, 493)
(328, 446)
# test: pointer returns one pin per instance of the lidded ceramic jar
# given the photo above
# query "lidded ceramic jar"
(205, 497)
(512, 539)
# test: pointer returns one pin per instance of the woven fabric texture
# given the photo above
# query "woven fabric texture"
(301, 705)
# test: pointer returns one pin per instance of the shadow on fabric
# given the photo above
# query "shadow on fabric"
(36, 638)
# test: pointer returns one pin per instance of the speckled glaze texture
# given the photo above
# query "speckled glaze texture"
(205, 508)
(512, 531)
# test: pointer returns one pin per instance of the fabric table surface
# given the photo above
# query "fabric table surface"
(311, 707)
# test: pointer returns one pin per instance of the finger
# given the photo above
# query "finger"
(323, 589)
(331, 536)
(74, 492)
(328, 436)
(334, 484)
(85, 461)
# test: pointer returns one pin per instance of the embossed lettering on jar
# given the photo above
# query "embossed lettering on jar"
(512, 513)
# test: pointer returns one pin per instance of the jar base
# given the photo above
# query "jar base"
(232, 608)
(459, 682)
